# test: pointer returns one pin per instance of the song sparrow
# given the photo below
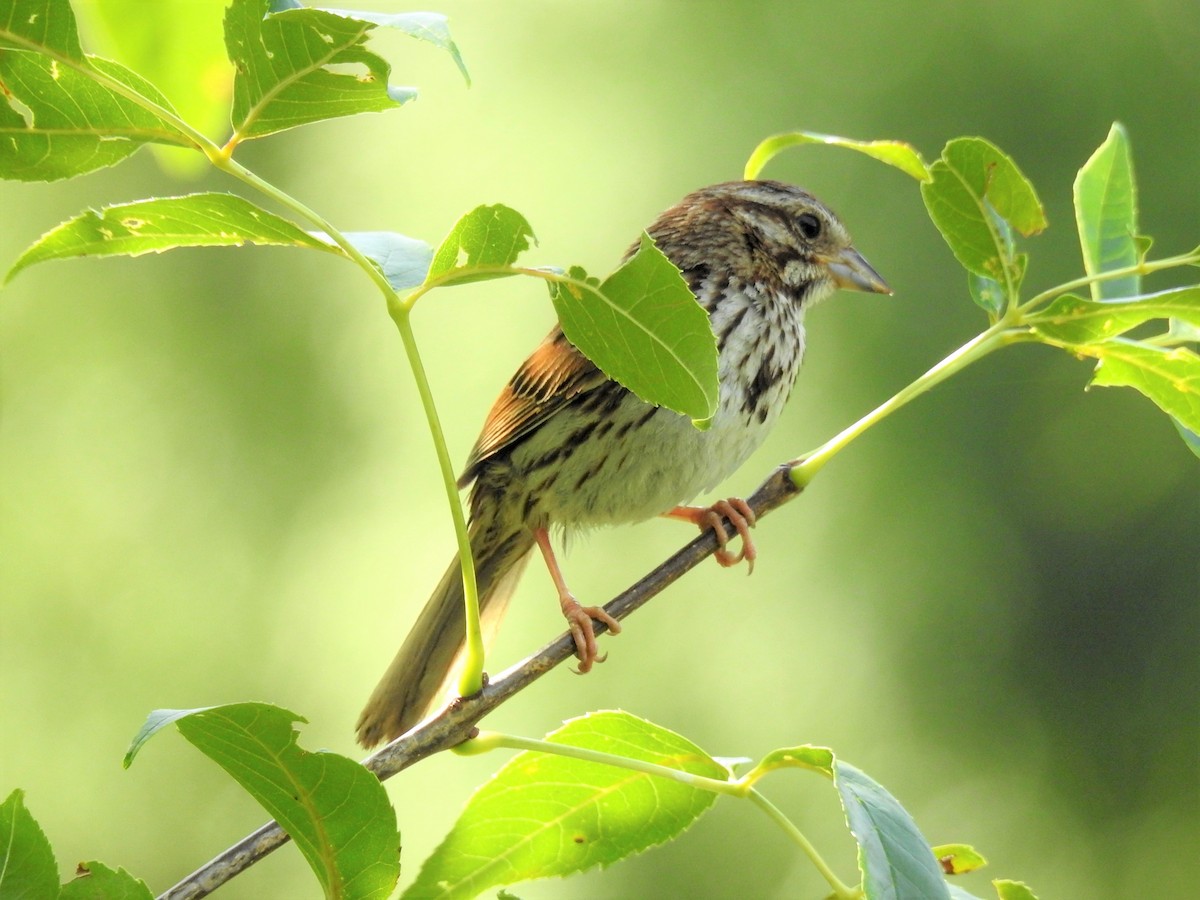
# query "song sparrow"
(565, 446)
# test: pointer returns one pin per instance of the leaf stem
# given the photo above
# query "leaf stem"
(471, 679)
(1141, 268)
(487, 741)
(840, 890)
(399, 309)
(1002, 333)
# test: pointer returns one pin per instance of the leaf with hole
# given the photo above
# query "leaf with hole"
(167, 223)
(290, 64)
(488, 237)
(63, 113)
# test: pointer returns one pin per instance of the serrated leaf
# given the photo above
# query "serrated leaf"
(1105, 195)
(283, 76)
(895, 860)
(1074, 320)
(1013, 890)
(1168, 377)
(975, 193)
(28, 870)
(166, 223)
(958, 859)
(895, 153)
(487, 236)
(335, 810)
(57, 116)
(645, 330)
(96, 881)
(544, 815)
(404, 261)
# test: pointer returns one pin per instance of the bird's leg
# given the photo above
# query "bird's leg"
(579, 618)
(740, 516)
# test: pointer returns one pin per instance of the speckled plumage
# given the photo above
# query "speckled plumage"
(564, 446)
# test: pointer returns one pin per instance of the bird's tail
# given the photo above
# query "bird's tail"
(425, 666)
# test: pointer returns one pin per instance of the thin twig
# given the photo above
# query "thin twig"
(456, 722)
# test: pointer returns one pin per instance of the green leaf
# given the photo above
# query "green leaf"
(544, 815)
(895, 153)
(958, 859)
(975, 194)
(27, 867)
(1169, 377)
(487, 236)
(645, 330)
(957, 893)
(1074, 320)
(404, 261)
(335, 810)
(58, 115)
(166, 223)
(41, 24)
(96, 881)
(431, 27)
(1106, 213)
(895, 860)
(1013, 890)
(987, 293)
(282, 65)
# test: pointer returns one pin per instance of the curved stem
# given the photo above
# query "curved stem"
(492, 740)
(1142, 268)
(840, 889)
(399, 309)
(471, 679)
(999, 335)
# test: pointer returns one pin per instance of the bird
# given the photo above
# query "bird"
(565, 447)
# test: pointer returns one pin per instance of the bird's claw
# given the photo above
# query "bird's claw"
(583, 632)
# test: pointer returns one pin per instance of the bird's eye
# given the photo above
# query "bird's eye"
(810, 226)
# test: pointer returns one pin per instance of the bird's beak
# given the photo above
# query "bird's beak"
(853, 273)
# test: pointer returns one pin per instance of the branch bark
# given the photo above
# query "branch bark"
(456, 723)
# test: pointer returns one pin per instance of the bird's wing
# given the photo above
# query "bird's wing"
(553, 375)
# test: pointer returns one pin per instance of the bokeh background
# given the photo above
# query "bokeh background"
(215, 484)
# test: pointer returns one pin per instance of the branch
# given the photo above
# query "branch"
(456, 723)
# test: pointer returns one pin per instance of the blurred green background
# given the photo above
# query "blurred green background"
(215, 484)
